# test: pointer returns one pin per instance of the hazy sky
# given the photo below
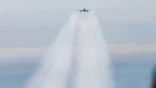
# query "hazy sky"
(34, 23)
(29, 12)
(27, 27)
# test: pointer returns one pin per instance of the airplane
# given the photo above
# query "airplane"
(83, 10)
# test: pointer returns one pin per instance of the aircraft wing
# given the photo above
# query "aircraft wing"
(91, 10)
(77, 10)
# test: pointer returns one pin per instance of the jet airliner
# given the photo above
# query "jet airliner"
(84, 10)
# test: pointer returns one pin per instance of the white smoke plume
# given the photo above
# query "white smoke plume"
(77, 59)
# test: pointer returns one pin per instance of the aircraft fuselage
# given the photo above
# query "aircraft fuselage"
(84, 10)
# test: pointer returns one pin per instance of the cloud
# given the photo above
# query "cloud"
(34, 55)
(113, 49)
(132, 49)
(22, 52)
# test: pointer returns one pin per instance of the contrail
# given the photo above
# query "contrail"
(57, 62)
(91, 61)
(93, 70)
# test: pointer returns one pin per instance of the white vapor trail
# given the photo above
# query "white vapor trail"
(93, 68)
(54, 70)
(92, 61)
